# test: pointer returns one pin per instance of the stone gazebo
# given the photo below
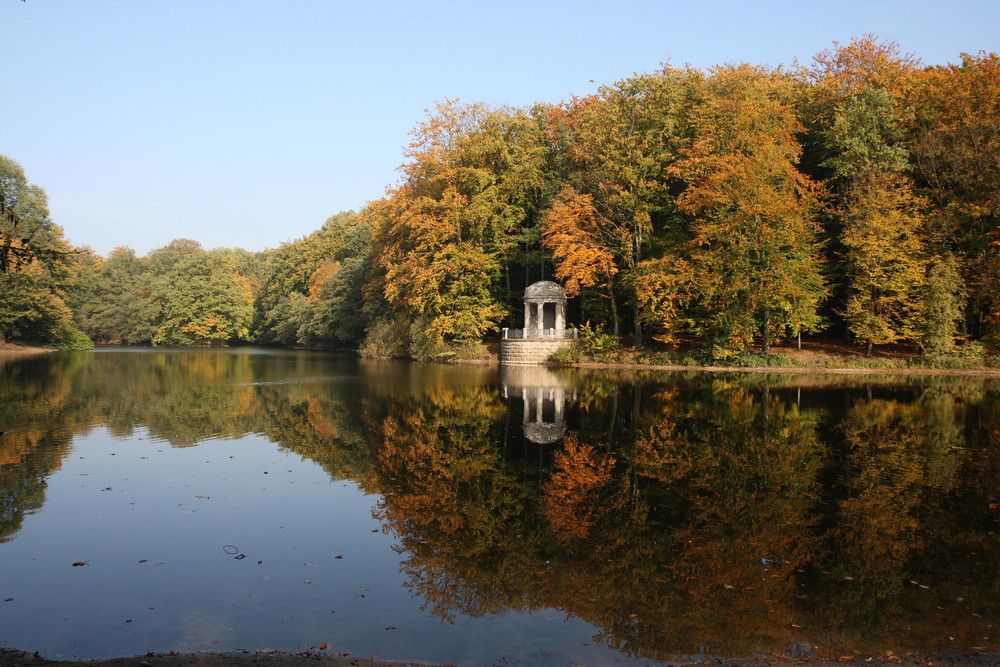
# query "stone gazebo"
(544, 329)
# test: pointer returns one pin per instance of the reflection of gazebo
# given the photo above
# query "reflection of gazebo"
(544, 326)
(543, 396)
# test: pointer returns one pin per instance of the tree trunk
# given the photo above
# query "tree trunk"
(868, 351)
(614, 312)
(766, 331)
(637, 321)
(510, 296)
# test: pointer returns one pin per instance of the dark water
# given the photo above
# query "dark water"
(248, 499)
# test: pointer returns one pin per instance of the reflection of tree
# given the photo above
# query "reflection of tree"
(184, 397)
(729, 500)
(715, 517)
(681, 515)
(35, 435)
(452, 499)
(570, 497)
(904, 546)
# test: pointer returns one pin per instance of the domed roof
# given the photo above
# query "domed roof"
(545, 290)
(544, 434)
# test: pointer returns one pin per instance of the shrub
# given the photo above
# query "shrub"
(385, 339)
(71, 338)
(595, 343)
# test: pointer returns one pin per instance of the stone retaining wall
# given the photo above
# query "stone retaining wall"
(513, 351)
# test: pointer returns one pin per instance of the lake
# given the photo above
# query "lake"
(252, 499)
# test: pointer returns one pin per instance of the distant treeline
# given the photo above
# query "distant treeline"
(728, 208)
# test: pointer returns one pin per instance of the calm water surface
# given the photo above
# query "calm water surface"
(158, 500)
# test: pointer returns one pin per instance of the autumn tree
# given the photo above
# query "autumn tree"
(882, 220)
(576, 236)
(335, 299)
(447, 230)
(954, 142)
(180, 294)
(754, 250)
(286, 274)
(36, 263)
(618, 145)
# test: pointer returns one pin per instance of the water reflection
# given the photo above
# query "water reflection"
(543, 395)
(679, 515)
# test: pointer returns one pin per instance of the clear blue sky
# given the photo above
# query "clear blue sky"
(248, 122)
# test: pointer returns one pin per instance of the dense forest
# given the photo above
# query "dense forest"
(722, 210)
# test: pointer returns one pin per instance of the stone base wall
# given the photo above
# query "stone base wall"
(529, 351)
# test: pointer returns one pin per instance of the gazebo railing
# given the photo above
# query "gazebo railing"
(521, 334)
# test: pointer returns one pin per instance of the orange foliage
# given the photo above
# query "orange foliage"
(571, 232)
(569, 497)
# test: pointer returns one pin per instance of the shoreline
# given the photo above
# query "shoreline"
(19, 350)
(13, 349)
(789, 370)
(11, 657)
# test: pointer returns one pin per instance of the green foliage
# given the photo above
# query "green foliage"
(753, 359)
(35, 263)
(592, 344)
(386, 339)
(595, 342)
(944, 303)
(72, 338)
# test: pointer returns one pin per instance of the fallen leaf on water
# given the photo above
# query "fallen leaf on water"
(9, 600)
(79, 563)
(323, 646)
(143, 561)
(390, 627)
